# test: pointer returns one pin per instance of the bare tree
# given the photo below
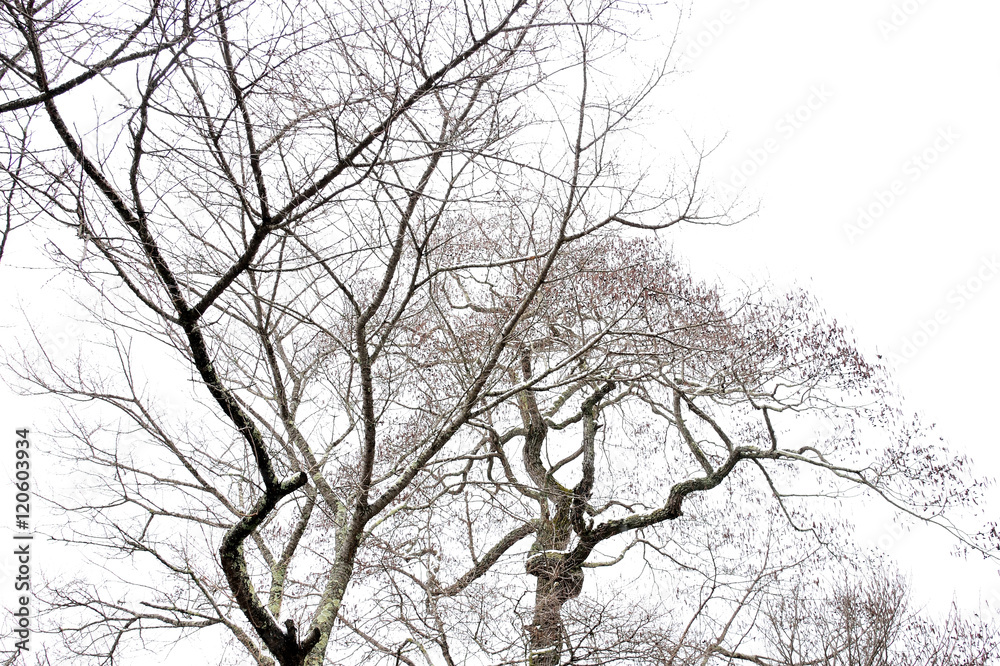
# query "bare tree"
(868, 621)
(413, 278)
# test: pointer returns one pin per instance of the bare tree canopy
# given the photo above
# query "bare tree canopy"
(387, 356)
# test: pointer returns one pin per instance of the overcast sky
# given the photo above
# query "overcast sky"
(868, 130)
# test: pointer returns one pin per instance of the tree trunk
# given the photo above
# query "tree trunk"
(555, 585)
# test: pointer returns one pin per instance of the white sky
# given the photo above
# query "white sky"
(882, 93)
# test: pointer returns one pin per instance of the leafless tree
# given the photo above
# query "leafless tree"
(413, 276)
(868, 621)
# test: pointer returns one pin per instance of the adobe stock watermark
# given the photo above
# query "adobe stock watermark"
(785, 129)
(711, 30)
(899, 16)
(993, 601)
(52, 339)
(891, 537)
(911, 171)
(956, 300)
(22, 539)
